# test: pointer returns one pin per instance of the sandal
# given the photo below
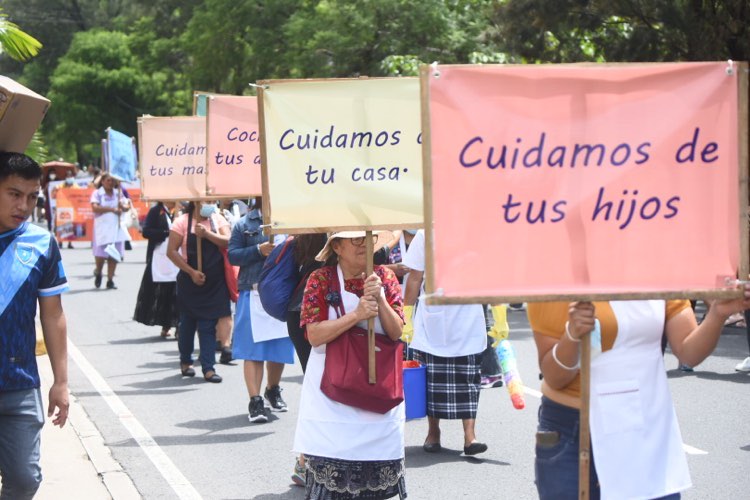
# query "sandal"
(432, 447)
(165, 334)
(475, 448)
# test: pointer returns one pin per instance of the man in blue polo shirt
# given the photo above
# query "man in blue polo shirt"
(31, 271)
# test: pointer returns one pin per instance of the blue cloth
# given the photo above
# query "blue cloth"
(556, 465)
(32, 268)
(21, 421)
(206, 339)
(243, 249)
(244, 347)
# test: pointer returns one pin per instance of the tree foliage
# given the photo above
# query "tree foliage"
(622, 30)
(105, 63)
(99, 84)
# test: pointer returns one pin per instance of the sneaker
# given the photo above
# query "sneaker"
(744, 366)
(492, 381)
(299, 476)
(97, 280)
(273, 395)
(111, 285)
(256, 410)
(685, 368)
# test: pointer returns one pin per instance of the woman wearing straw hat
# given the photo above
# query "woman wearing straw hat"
(636, 444)
(350, 452)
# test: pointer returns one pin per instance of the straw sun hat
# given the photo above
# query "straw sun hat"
(327, 250)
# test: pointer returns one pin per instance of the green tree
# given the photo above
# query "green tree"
(99, 84)
(231, 44)
(338, 38)
(621, 30)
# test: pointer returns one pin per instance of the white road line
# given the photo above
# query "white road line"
(164, 465)
(693, 451)
(690, 450)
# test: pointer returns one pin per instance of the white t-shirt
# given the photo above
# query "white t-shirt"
(446, 331)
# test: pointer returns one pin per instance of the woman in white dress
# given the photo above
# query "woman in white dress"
(108, 204)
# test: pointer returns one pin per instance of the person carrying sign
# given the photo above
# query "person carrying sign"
(32, 272)
(637, 446)
(202, 295)
(350, 452)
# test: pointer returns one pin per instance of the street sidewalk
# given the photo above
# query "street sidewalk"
(76, 463)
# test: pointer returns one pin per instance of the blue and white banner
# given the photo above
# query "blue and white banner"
(121, 156)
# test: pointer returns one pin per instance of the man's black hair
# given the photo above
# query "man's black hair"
(18, 164)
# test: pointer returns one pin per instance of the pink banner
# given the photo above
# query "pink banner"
(559, 179)
(172, 153)
(233, 146)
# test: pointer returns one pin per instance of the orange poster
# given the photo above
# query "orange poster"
(233, 146)
(609, 180)
(74, 219)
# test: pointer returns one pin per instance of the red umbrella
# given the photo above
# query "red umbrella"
(59, 167)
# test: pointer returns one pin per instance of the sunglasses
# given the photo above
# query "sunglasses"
(360, 240)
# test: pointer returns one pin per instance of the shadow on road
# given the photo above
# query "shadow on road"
(222, 423)
(295, 492)
(416, 458)
(737, 377)
(208, 439)
(151, 339)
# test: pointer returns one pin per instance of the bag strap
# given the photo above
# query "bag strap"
(336, 287)
(284, 249)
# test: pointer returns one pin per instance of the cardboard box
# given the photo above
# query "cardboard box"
(21, 113)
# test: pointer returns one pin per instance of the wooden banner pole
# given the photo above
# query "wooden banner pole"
(198, 239)
(584, 445)
(372, 374)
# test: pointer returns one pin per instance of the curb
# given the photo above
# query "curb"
(110, 473)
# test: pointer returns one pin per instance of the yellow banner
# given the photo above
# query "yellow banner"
(342, 153)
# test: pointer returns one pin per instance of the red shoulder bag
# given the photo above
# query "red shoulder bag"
(345, 375)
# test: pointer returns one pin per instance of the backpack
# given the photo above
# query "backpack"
(278, 280)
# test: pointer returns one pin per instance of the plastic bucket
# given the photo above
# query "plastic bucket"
(415, 392)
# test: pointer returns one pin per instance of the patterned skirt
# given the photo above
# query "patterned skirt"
(453, 385)
(334, 479)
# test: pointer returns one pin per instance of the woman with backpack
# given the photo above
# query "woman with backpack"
(259, 339)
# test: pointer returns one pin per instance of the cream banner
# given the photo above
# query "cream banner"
(341, 154)
(173, 157)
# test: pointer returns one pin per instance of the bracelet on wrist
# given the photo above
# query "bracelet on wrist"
(560, 364)
(567, 333)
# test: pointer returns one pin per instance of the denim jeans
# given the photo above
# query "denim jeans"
(21, 421)
(206, 340)
(556, 464)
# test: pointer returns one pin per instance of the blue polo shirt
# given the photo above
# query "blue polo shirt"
(30, 267)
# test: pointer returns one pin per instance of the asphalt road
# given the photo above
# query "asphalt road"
(187, 438)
